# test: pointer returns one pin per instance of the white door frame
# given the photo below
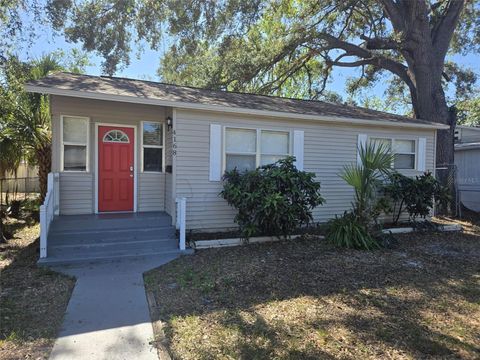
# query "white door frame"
(135, 170)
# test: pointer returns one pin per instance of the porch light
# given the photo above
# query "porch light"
(169, 123)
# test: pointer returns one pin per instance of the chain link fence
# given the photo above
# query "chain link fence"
(447, 175)
(464, 187)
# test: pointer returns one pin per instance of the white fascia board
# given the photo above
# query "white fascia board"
(225, 109)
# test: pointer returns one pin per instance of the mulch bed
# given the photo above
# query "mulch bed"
(308, 300)
(33, 300)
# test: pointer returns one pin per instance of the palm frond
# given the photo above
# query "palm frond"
(376, 162)
(376, 157)
(10, 154)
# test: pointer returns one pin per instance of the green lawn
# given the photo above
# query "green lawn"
(32, 299)
(306, 300)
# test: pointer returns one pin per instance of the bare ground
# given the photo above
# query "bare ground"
(307, 300)
(32, 299)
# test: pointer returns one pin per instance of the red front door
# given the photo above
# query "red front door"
(115, 168)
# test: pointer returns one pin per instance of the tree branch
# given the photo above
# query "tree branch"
(444, 28)
(376, 60)
(381, 43)
(352, 63)
(366, 58)
(395, 14)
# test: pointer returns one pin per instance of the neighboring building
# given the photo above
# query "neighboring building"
(129, 145)
(467, 161)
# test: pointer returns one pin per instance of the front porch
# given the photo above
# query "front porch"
(100, 237)
(68, 239)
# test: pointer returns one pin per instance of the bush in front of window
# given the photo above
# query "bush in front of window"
(273, 200)
(414, 196)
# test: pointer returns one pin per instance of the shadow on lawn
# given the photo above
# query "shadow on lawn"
(307, 300)
(32, 299)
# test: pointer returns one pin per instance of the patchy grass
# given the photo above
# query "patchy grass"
(32, 299)
(307, 300)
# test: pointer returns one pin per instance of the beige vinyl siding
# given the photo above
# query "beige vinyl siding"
(151, 192)
(328, 147)
(76, 193)
(78, 189)
(169, 201)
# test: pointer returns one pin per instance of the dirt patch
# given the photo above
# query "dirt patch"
(308, 300)
(32, 299)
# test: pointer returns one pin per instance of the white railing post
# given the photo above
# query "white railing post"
(43, 231)
(56, 193)
(47, 211)
(181, 220)
(177, 213)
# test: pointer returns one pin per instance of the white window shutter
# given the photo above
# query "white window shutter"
(422, 153)
(215, 152)
(298, 145)
(361, 143)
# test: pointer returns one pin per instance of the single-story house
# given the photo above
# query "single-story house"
(124, 145)
(467, 161)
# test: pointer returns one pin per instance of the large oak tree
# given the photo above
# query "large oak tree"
(290, 47)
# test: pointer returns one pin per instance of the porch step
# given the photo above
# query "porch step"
(124, 244)
(68, 237)
(56, 261)
(113, 249)
(110, 221)
(105, 237)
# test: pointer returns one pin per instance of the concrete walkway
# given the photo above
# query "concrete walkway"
(108, 316)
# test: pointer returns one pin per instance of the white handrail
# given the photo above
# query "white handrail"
(48, 210)
(181, 220)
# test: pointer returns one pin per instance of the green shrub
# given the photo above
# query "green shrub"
(414, 196)
(347, 231)
(274, 199)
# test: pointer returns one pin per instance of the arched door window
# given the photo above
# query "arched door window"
(116, 136)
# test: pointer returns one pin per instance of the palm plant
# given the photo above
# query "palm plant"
(10, 156)
(354, 229)
(26, 117)
(365, 178)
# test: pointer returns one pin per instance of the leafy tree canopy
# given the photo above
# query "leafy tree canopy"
(15, 28)
(25, 117)
(469, 112)
(282, 47)
(290, 47)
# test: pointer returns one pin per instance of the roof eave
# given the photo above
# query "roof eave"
(467, 146)
(220, 108)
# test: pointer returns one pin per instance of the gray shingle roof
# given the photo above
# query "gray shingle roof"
(167, 92)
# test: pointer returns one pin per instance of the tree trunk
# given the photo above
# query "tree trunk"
(44, 159)
(431, 105)
(435, 109)
(425, 57)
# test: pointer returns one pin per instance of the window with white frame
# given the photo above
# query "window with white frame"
(152, 146)
(274, 146)
(74, 143)
(403, 150)
(246, 149)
